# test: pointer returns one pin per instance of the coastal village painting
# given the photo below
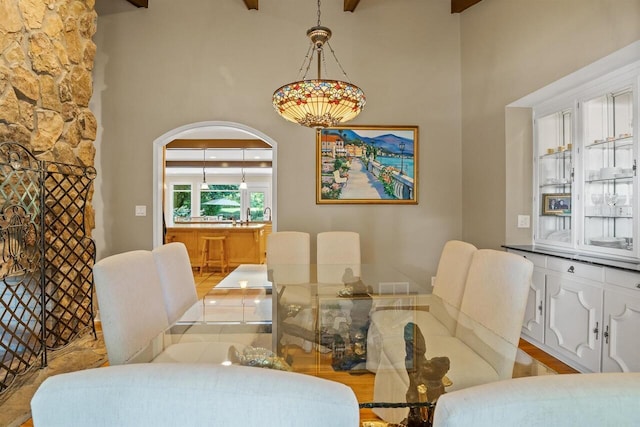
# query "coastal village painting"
(367, 164)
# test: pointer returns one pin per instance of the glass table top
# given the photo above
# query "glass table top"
(368, 326)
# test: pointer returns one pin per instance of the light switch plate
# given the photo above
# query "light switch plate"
(524, 221)
(141, 210)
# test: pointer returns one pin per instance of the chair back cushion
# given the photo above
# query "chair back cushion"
(187, 394)
(176, 279)
(288, 257)
(288, 247)
(493, 306)
(337, 251)
(586, 400)
(131, 307)
(453, 267)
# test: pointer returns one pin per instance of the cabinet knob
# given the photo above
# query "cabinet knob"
(638, 285)
(571, 269)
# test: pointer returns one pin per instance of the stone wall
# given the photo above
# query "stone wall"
(46, 61)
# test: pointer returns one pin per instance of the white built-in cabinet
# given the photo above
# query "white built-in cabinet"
(533, 323)
(584, 314)
(585, 167)
(622, 322)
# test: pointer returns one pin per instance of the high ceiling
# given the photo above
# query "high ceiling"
(225, 151)
(105, 7)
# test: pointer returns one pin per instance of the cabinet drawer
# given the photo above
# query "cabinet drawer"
(537, 259)
(578, 269)
(623, 278)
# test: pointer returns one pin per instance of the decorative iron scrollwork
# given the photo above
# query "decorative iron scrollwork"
(46, 260)
(18, 237)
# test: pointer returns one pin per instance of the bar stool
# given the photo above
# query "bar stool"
(207, 251)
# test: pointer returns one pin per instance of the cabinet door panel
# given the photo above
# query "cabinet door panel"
(190, 240)
(574, 314)
(621, 352)
(533, 324)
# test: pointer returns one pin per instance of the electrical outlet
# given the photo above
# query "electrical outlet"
(524, 221)
(141, 210)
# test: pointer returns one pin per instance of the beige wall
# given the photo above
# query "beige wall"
(511, 48)
(181, 62)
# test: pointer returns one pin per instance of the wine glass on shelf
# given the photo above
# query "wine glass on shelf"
(598, 200)
(611, 199)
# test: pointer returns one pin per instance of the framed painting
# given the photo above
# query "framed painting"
(556, 204)
(367, 164)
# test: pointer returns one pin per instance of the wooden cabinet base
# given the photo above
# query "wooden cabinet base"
(245, 244)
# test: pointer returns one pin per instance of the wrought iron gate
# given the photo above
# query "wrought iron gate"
(46, 281)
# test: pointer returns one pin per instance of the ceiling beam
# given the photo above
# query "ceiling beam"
(350, 5)
(217, 143)
(458, 6)
(140, 3)
(218, 164)
(251, 4)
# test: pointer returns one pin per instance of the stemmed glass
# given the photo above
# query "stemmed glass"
(611, 199)
(597, 200)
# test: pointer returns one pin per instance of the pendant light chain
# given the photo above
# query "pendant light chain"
(338, 62)
(307, 61)
(319, 102)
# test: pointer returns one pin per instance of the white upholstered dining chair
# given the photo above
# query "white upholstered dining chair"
(289, 257)
(484, 344)
(168, 395)
(337, 251)
(133, 315)
(176, 279)
(450, 280)
(288, 264)
(132, 310)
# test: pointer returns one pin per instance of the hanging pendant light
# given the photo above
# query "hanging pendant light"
(319, 103)
(243, 184)
(204, 185)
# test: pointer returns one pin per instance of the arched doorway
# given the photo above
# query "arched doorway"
(199, 130)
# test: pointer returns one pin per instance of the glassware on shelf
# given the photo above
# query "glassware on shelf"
(611, 199)
(598, 200)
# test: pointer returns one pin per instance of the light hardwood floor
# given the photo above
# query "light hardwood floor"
(361, 384)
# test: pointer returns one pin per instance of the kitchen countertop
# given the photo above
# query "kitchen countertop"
(219, 226)
(600, 260)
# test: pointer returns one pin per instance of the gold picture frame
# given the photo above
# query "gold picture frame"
(556, 203)
(367, 165)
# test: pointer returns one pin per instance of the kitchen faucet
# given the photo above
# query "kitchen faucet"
(248, 215)
(265, 212)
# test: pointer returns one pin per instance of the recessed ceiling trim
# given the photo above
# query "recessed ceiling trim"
(218, 164)
(217, 143)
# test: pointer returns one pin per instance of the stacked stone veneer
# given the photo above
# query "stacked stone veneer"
(46, 61)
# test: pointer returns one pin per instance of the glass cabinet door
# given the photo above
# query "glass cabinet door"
(609, 169)
(555, 177)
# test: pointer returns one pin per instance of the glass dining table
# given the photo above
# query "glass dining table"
(391, 339)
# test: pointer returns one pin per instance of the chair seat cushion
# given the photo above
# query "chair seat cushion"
(392, 381)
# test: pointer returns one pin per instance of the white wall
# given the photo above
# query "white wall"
(511, 48)
(187, 61)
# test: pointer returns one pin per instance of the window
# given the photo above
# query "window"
(221, 200)
(181, 196)
(257, 205)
